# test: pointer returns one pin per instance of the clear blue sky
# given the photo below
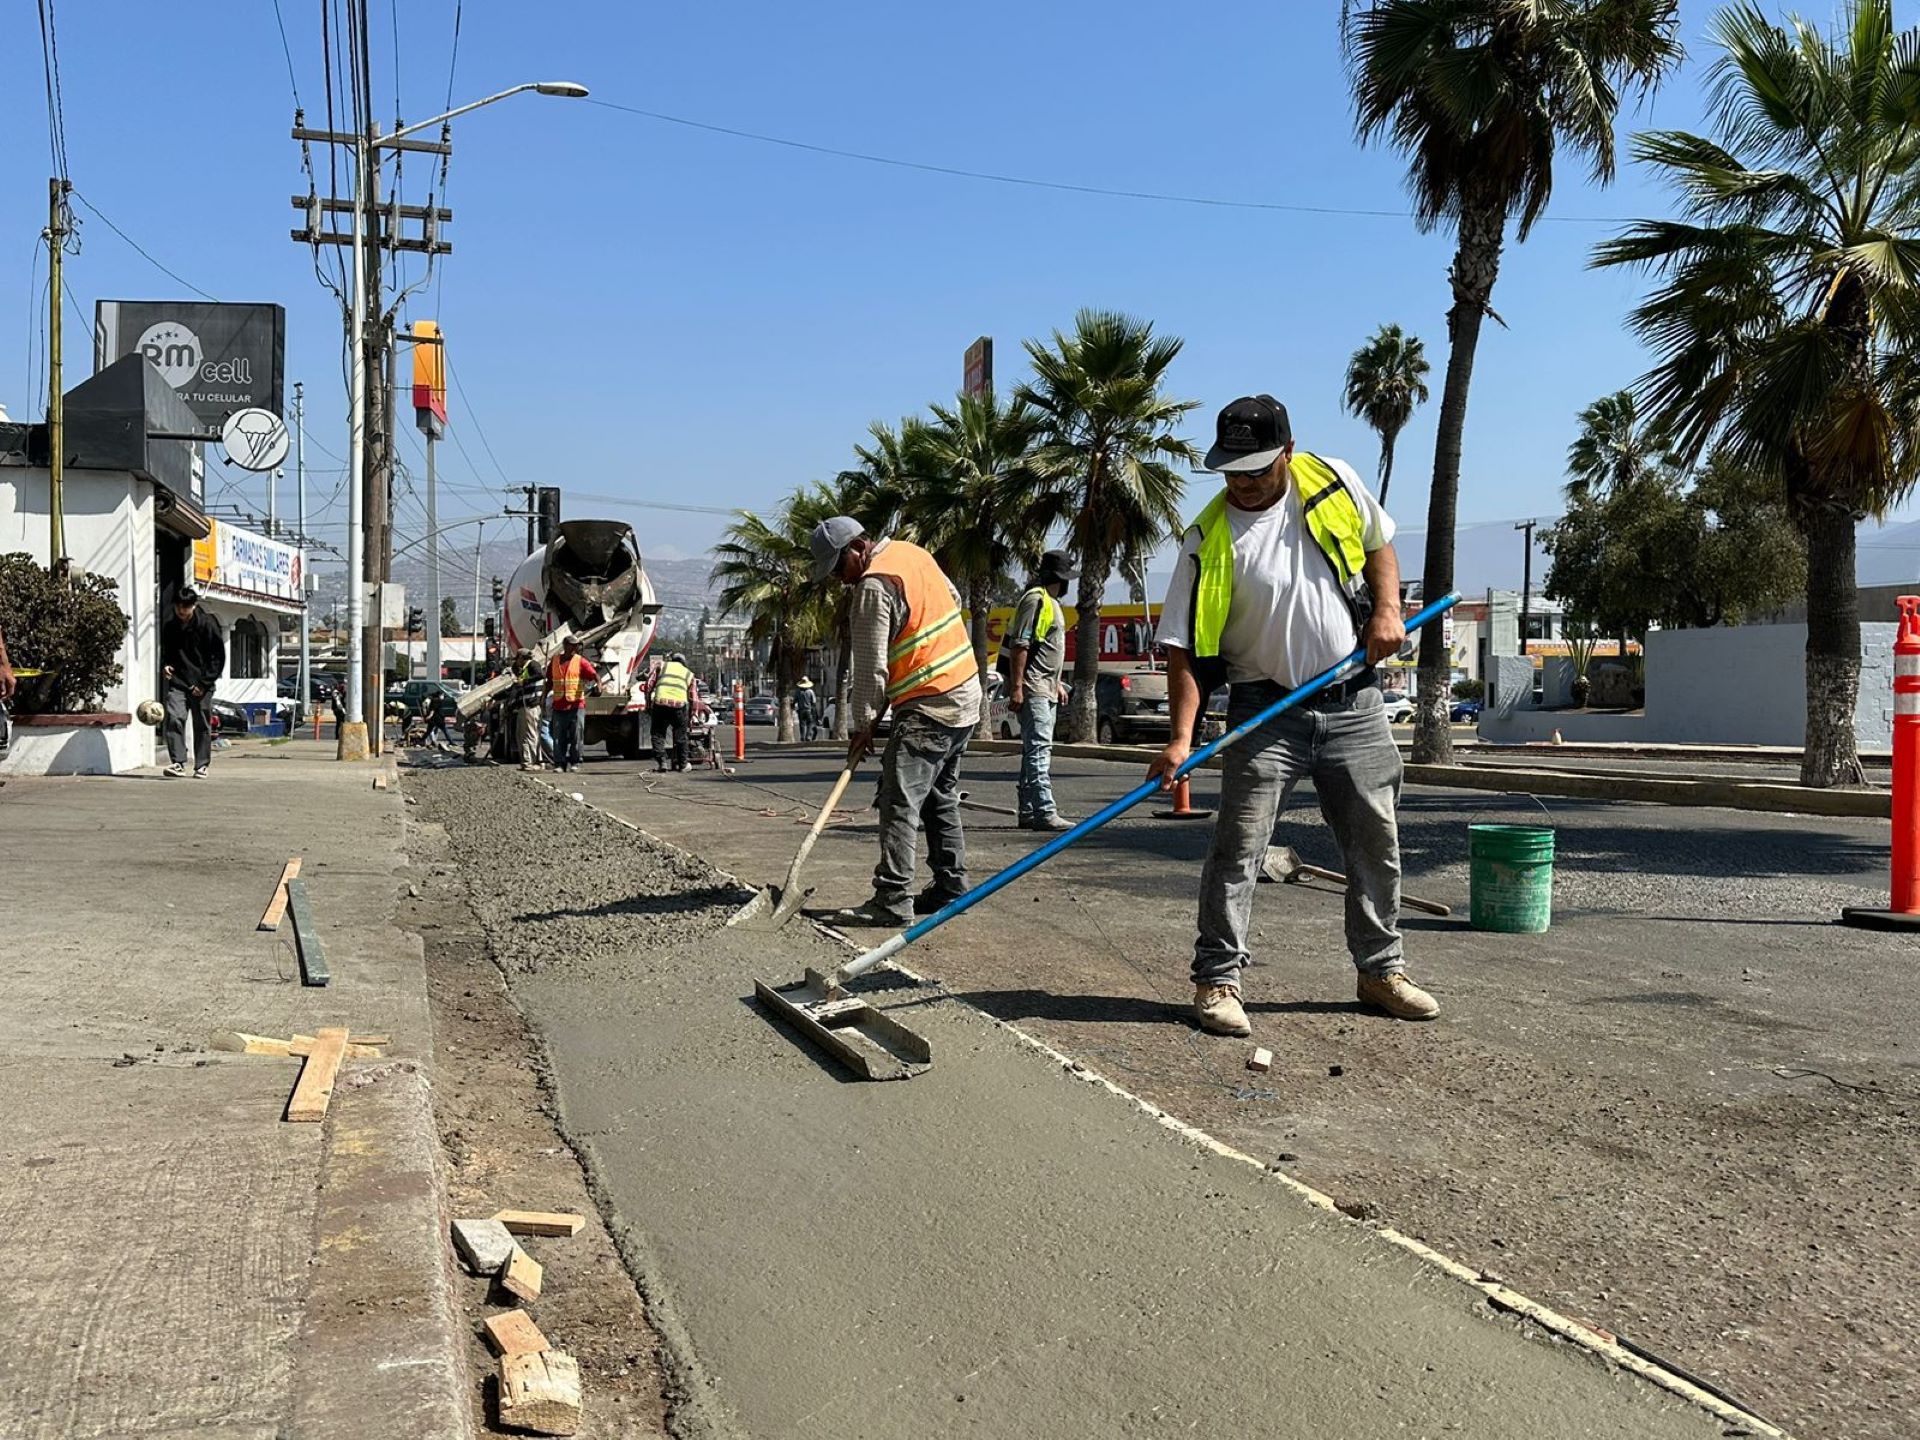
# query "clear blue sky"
(651, 311)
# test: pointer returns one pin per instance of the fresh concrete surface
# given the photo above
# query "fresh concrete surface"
(167, 1235)
(995, 1248)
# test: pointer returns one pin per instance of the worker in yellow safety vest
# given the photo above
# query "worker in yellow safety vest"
(672, 697)
(1037, 640)
(1288, 570)
(911, 652)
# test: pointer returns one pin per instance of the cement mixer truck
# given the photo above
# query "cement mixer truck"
(587, 581)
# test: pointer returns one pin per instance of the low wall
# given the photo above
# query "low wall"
(56, 745)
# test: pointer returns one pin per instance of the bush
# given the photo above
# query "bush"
(69, 630)
(1469, 689)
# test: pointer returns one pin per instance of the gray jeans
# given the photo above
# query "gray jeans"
(1037, 715)
(920, 783)
(184, 710)
(1347, 749)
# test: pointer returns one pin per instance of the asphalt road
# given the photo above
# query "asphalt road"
(1683, 1113)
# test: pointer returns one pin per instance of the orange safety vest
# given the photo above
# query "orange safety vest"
(568, 682)
(934, 654)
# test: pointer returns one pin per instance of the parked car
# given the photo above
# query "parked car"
(1399, 708)
(228, 718)
(1132, 706)
(1464, 712)
(412, 694)
(762, 710)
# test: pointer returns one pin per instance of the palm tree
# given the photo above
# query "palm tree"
(1479, 95)
(982, 507)
(878, 487)
(1787, 322)
(1612, 451)
(1110, 448)
(765, 573)
(1386, 378)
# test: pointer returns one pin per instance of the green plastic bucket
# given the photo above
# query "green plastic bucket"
(1510, 878)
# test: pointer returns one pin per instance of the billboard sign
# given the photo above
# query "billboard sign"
(234, 559)
(429, 376)
(221, 358)
(977, 378)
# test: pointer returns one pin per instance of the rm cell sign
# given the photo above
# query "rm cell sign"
(221, 358)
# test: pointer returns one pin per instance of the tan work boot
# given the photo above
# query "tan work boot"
(1398, 996)
(1217, 1008)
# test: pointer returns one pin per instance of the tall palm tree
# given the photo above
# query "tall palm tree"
(876, 489)
(764, 569)
(1110, 448)
(1386, 379)
(1612, 450)
(982, 507)
(1787, 322)
(1480, 95)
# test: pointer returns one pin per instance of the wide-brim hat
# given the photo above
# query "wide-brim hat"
(1058, 565)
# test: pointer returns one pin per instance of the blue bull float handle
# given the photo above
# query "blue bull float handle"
(893, 945)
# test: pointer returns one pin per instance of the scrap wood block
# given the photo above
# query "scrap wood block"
(484, 1244)
(379, 782)
(303, 1045)
(277, 906)
(539, 1222)
(314, 1088)
(238, 1042)
(521, 1274)
(514, 1333)
(541, 1392)
(306, 936)
(1260, 1060)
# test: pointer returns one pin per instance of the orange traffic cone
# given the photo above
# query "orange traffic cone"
(1182, 805)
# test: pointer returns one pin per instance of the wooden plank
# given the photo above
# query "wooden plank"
(303, 1045)
(539, 1222)
(306, 937)
(238, 1042)
(521, 1275)
(541, 1392)
(514, 1333)
(315, 1087)
(277, 906)
(484, 1244)
(1261, 1061)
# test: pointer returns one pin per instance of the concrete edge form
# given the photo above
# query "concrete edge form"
(1601, 1346)
(1723, 794)
(379, 1284)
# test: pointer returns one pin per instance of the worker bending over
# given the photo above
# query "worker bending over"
(671, 698)
(911, 651)
(1287, 571)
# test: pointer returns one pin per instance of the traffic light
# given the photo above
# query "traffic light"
(414, 618)
(547, 509)
(499, 591)
(489, 631)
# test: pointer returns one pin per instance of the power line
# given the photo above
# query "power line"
(56, 107)
(286, 50)
(453, 60)
(1031, 182)
(170, 274)
(478, 428)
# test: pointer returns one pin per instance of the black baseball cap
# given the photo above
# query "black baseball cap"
(1250, 434)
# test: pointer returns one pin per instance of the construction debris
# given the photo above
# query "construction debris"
(303, 1045)
(514, 1333)
(484, 1245)
(379, 782)
(306, 936)
(1260, 1061)
(239, 1042)
(521, 1274)
(539, 1222)
(541, 1392)
(314, 1089)
(277, 906)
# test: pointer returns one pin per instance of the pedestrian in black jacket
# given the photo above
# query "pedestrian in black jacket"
(193, 656)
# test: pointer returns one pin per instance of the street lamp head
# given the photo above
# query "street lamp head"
(562, 87)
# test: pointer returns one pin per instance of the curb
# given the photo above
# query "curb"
(1724, 794)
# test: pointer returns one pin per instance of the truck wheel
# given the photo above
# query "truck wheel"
(1104, 732)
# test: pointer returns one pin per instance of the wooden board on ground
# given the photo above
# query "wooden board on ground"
(484, 1244)
(514, 1333)
(303, 1045)
(306, 936)
(314, 1089)
(521, 1275)
(277, 906)
(238, 1042)
(541, 1392)
(539, 1222)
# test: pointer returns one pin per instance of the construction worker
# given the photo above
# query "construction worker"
(1271, 589)
(911, 651)
(1038, 640)
(529, 687)
(7, 681)
(806, 708)
(671, 697)
(568, 675)
(193, 656)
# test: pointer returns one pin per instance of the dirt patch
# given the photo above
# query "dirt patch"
(504, 1151)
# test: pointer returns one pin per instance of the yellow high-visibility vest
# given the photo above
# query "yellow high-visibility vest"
(671, 688)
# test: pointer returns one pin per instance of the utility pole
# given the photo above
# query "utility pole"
(433, 566)
(1526, 582)
(273, 479)
(57, 189)
(533, 516)
(303, 685)
(473, 640)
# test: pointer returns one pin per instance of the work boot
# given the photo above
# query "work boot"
(932, 899)
(1218, 1009)
(1398, 996)
(871, 915)
(1049, 822)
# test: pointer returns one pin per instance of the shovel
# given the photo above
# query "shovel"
(819, 1006)
(774, 905)
(1284, 865)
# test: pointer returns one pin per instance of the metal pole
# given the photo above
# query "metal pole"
(273, 477)
(473, 640)
(303, 684)
(1526, 582)
(433, 563)
(56, 401)
(357, 453)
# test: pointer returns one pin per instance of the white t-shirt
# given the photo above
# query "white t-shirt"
(1289, 619)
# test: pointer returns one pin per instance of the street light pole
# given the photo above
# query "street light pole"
(433, 562)
(1526, 582)
(303, 686)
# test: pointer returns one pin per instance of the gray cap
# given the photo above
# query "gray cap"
(829, 539)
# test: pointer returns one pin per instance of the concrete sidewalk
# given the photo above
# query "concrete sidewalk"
(179, 1259)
